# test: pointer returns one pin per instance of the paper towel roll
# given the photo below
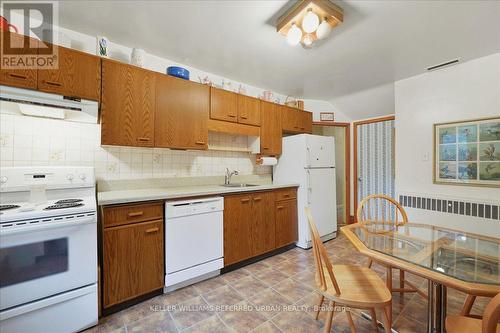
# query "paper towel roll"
(267, 161)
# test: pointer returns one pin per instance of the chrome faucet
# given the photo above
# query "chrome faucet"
(229, 174)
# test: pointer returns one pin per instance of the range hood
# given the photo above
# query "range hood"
(34, 103)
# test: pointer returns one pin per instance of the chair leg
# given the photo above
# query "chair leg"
(329, 318)
(369, 264)
(321, 299)
(351, 322)
(374, 318)
(387, 318)
(389, 279)
(469, 302)
(401, 281)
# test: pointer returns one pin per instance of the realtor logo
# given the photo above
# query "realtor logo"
(28, 35)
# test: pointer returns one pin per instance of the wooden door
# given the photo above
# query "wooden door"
(21, 78)
(237, 228)
(248, 110)
(286, 222)
(127, 106)
(78, 75)
(263, 225)
(223, 105)
(133, 261)
(182, 109)
(270, 129)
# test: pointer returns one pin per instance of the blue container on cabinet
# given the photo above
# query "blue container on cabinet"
(178, 72)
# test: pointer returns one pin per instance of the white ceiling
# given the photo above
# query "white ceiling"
(378, 43)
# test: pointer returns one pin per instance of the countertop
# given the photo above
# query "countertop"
(166, 193)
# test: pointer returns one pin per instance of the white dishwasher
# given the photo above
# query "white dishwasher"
(194, 247)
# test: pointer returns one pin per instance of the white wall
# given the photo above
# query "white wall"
(466, 91)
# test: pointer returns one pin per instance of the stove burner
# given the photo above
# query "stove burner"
(5, 207)
(63, 205)
(67, 201)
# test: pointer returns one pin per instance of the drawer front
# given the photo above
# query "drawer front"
(285, 194)
(126, 214)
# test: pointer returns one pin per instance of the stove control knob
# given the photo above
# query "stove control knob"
(70, 177)
(83, 176)
(4, 179)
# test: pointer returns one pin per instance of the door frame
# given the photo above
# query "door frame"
(355, 155)
(347, 164)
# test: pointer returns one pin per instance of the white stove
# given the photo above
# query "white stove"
(48, 249)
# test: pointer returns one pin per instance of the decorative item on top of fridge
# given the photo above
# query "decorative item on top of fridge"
(102, 46)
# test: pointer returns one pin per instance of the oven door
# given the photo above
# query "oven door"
(38, 261)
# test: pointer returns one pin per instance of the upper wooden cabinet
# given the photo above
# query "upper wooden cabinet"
(78, 75)
(270, 129)
(21, 78)
(248, 110)
(295, 120)
(223, 105)
(127, 105)
(182, 109)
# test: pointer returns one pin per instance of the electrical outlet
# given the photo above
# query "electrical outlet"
(425, 157)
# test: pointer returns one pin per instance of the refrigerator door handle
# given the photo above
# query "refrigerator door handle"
(309, 188)
(308, 157)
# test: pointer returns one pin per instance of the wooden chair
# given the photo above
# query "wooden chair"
(383, 209)
(347, 285)
(489, 324)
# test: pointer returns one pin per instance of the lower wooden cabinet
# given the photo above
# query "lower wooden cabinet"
(132, 260)
(237, 228)
(262, 223)
(286, 222)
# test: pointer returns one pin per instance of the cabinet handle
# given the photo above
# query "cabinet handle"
(257, 199)
(18, 76)
(265, 148)
(297, 127)
(200, 142)
(286, 195)
(144, 139)
(134, 214)
(231, 115)
(151, 230)
(279, 207)
(245, 200)
(52, 83)
(243, 117)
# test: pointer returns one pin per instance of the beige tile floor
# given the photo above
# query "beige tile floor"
(273, 295)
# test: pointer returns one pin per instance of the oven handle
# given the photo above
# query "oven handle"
(42, 226)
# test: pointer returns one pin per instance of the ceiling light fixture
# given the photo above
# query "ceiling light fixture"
(301, 23)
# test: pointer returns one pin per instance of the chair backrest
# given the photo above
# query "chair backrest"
(381, 208)
(491, 315)
(321, 258)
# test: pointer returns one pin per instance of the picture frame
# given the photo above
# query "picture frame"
(467, 152)
(326, 116)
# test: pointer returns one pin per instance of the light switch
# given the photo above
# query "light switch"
(425, 157)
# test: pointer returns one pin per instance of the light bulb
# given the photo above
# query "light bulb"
(307, 40)
(294, 35)
(324, 30)
(310, 22)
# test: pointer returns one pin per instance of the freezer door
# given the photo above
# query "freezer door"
(320, 151)
(322, 199)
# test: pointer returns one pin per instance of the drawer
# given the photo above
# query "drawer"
(126, 214)
(285, 194)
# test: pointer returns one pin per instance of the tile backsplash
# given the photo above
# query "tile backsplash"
(26, 141)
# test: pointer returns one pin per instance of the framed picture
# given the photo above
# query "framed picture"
(467, 152)
(326, 116)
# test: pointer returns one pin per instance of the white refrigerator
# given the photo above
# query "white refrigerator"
(309, 160)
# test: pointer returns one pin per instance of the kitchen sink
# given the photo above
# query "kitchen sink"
(239, 185)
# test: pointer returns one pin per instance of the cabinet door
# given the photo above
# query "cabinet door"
(286, 222)
(248, 110)
(223, 105)
(181, 113)
(289, 118)
(127, 106)
(133, 261)
(237, 228)
(263, 225)
(21, 78)
(306, 122)
(270, 129)
(78, 75)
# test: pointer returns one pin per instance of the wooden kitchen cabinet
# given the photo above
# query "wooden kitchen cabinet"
(21, 78)
(78, 75)
(182, 111)
(223, 105)
(248, 110)
(237, 228)
(286, 222)
(295, 120)
(270, 129)
(127, 105)
(262, 224)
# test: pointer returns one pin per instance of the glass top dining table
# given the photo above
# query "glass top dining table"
(468, 257)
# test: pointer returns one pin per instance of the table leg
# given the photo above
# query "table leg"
(436, 308)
